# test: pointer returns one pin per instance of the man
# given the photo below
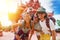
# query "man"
(47, 26)
(1, 33)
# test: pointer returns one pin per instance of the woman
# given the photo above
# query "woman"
(46, 32)
(36, 29)
(23, 31)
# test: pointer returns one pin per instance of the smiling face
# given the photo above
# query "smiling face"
(41, 15)
(27, 17)
(35, 19)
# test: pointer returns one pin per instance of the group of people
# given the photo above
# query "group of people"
(34, 24)
(37, 25)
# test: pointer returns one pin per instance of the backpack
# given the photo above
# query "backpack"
(47, 23)
(53, 19)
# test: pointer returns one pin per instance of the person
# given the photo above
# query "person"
(48, 28)
(37, 26)
(1, 33)
(23, 31)
(18, 29)
(36, 29)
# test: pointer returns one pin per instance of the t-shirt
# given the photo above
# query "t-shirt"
(21, 21)
(37, 26)
(25, 30)
(45, 28)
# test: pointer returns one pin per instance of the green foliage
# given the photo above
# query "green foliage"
(58, 22)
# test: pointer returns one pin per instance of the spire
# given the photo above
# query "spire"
(36, 4)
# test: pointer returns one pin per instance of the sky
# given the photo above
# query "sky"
(52, 5)
(56, 6)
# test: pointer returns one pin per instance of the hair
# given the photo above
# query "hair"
(45, 15)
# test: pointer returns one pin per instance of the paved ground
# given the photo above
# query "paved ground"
(10, 36)
(58, 36)
(7, 36)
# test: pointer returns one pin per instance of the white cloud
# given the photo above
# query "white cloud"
(24, 1)
(57, 17)
(46, 4)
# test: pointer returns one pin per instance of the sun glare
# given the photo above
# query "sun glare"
(7, 6)
(12, 5)
(5, 22)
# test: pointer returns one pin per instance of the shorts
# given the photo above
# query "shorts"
(45, 37)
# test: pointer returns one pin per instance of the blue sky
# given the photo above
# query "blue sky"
(56, 6)
(51, 5)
